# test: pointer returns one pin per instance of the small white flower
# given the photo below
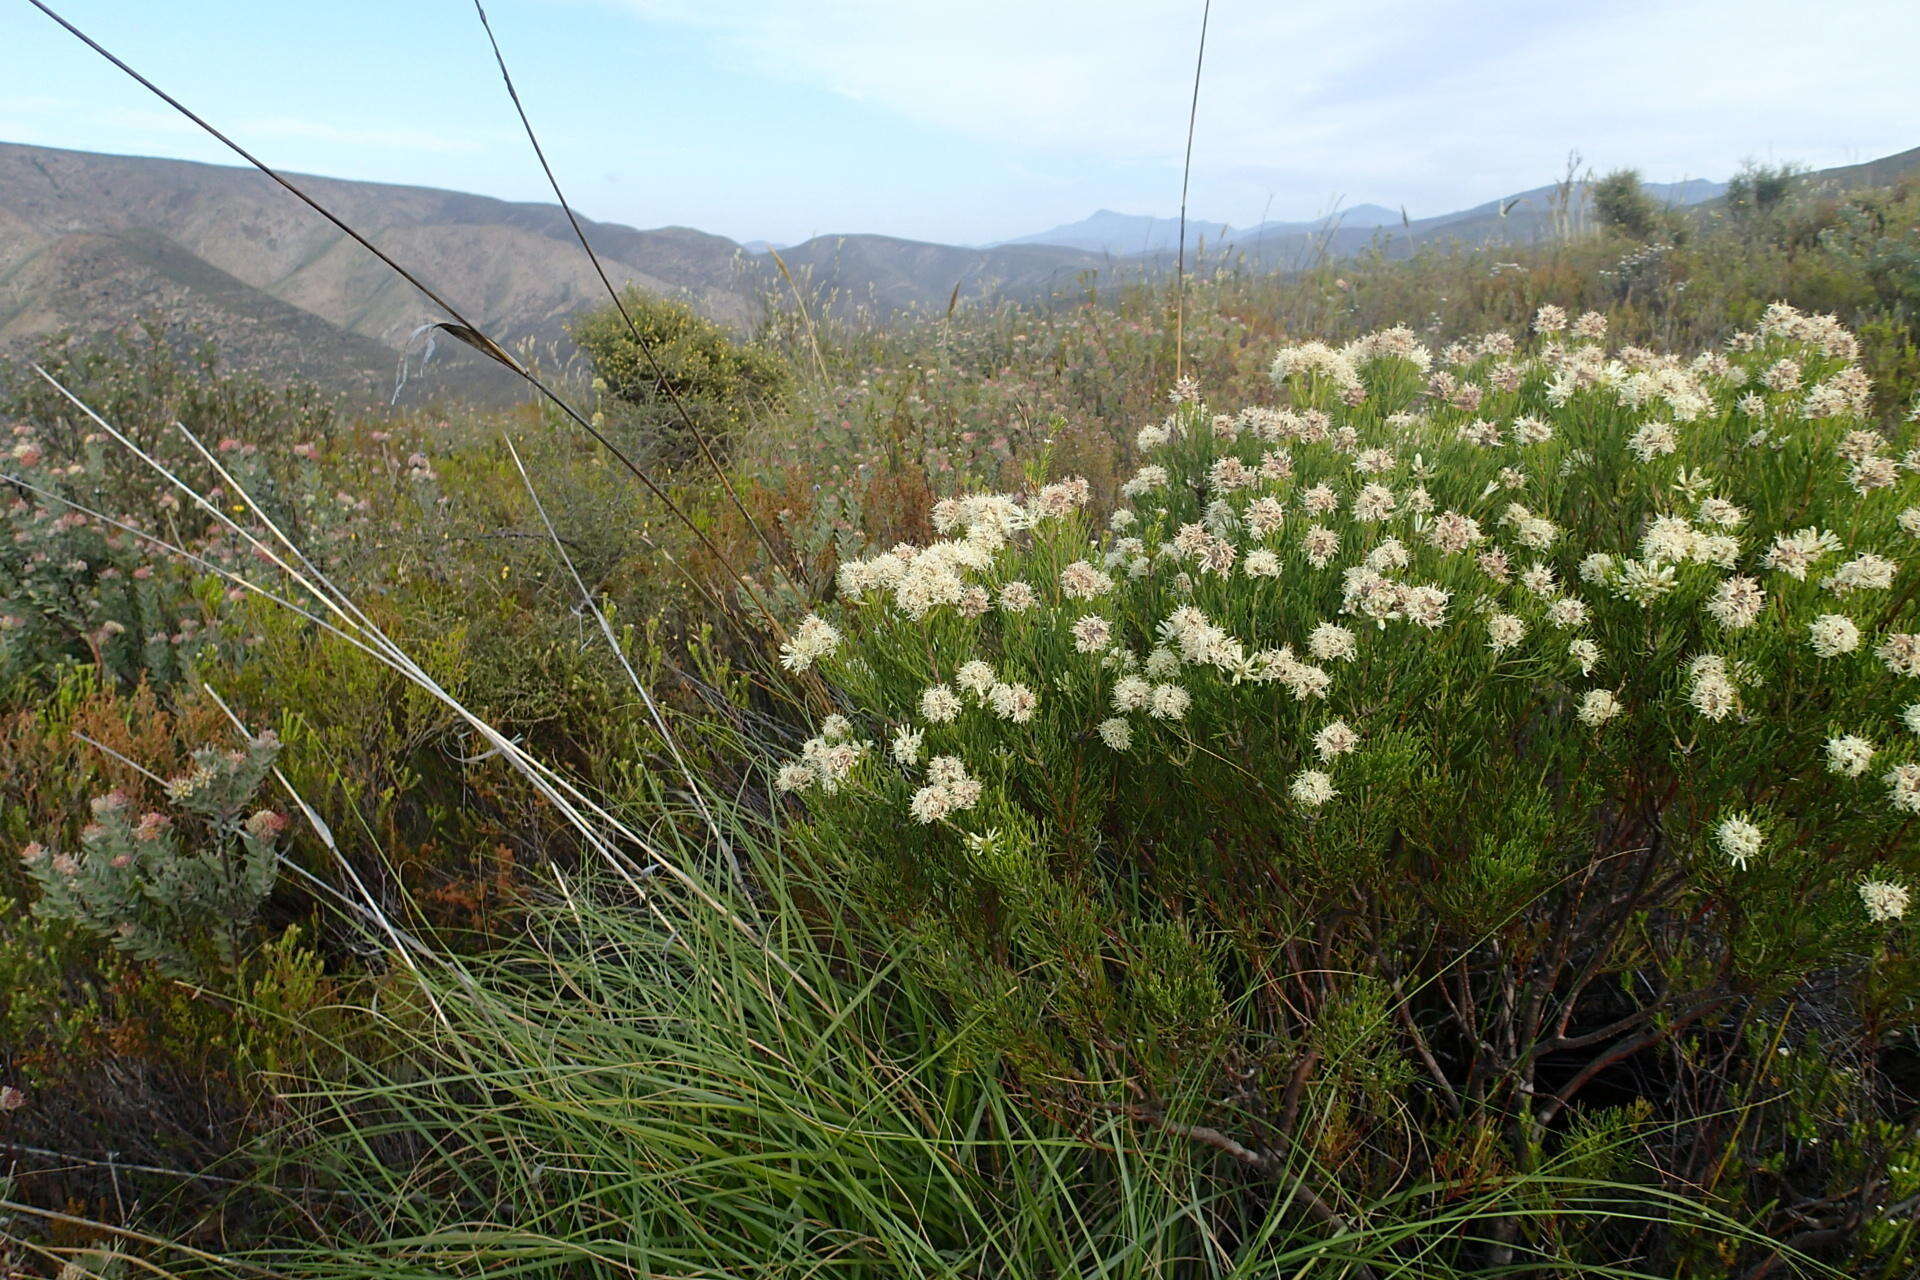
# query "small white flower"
(1091, 634)
(1652, 441)
(1261, 564)
(1911, 717)
(1586, 653)
(1848, 756)
(1901, 653)
(1312, 788)
(1567, 612)
(1320, 545)
(1739, 839)
(1081, 581)
(1903, 782)
(975, 677)
(1504, 631)
(1017, 597)
(793, 777)
(812, 640)
(1598, 707)
(1117, 733)
(1736, 603)
(939, 704)
(1330, 641)
(906, 745)
(1013, 702)
(1131, 693)
(1168, 702)
(1336, 739)
(1884, 900)
(1831, 635)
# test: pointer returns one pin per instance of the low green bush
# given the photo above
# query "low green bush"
(1466, 753)
(660, 358)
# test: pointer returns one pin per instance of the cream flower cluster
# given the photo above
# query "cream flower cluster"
(1537, 512)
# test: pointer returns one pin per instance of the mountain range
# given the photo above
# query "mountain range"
(1123, 234)
(90, 242)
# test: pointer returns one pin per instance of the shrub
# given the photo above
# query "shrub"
(1758, 190)
(182, 900)
(1463, 756)
(1623, 205)
(678, 355)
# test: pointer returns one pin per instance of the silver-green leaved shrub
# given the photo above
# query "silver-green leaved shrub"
(1463, 753)
(180, 890)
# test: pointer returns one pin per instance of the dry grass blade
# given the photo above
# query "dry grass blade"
(646, 697)
(661, 381)
(461, 328)
(1186, 173)
(806, 316)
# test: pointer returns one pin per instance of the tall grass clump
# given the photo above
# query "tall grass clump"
(667, 1091)
(1467, 762)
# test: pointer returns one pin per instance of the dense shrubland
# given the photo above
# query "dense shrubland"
(1453, 819)
(1416, 760)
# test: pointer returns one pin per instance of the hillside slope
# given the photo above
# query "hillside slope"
(90, 242)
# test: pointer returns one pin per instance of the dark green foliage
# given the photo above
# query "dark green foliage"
(1760, 190)
(660, 357)
(1623, 205)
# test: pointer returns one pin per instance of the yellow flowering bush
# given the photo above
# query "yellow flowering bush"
(1464, 755)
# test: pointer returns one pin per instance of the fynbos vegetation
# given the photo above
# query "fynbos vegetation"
(1406, 766)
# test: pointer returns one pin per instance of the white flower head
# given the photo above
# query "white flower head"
(1336, 739)
(812, 640)
(1261, 563)
(1332, 642)
(1599, 706)
(1015, 702)
(1504, 631)
(939, 704)
(1736, 603)
(1900, 651)
(1903, 787)
(1168, 702)
(1312, 788)
(1739, 839)
(1832, 634)
(1081, 581)
(1092, 634)
(906, 745)
(1884, 900)
(1848, 755)
(1117, 733)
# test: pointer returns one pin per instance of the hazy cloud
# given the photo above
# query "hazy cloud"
(1432, 103)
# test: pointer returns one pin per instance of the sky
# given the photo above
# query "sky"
(969, 121)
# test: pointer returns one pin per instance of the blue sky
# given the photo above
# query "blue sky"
(983, 119)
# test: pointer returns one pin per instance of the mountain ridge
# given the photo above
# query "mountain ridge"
(90, 241)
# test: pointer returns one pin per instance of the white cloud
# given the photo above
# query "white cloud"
(1432, 103)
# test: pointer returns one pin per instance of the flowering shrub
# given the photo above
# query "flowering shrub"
(172, 897)
(71, 587)
(1469, 752)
